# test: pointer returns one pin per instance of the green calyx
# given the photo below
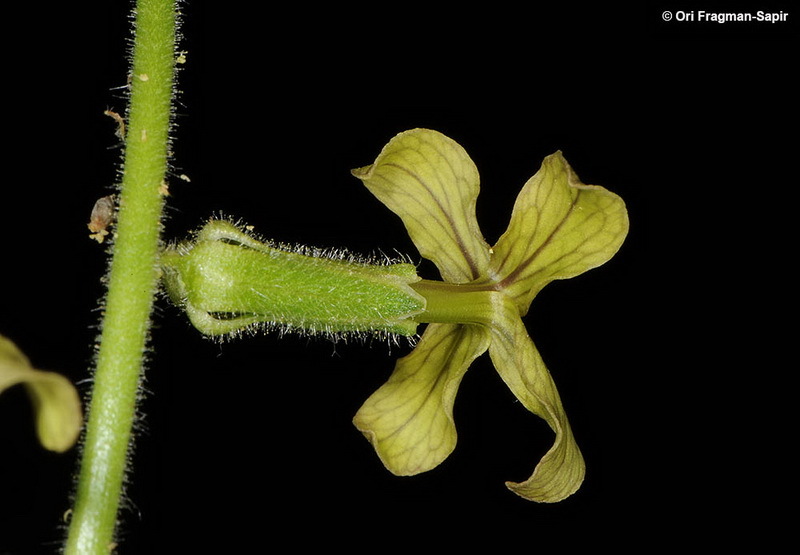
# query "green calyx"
(228, 281)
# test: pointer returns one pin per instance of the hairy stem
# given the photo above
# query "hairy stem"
(132, 283)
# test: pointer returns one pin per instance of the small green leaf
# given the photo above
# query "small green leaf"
(559, 228)
(560, 472)
(409, 420)
(429, 181)
(55, 401)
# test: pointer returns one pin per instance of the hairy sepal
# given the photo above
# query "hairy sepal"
(229, 281)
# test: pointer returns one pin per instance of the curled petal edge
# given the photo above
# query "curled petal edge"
(559, 229)
(560, 472)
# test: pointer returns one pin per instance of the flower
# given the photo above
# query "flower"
(559, 228)
(56, 404)
(229, 281)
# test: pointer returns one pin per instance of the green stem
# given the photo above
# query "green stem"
(132, 283)
(451, 303)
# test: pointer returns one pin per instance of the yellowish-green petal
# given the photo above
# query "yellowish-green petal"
(429, 181)
(560, 472)
(409, 420)
(56, 403)
(559, 228)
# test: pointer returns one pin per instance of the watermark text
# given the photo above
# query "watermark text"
(702, 16)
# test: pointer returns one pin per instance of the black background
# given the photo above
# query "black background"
(659, 355)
